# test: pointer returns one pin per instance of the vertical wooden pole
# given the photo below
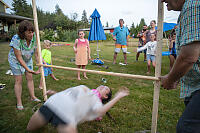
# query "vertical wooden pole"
(15, 23)
(39, 48)
(158, 67)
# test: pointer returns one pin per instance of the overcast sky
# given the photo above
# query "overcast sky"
(110, 10)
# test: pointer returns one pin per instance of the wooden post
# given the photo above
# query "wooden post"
(39, 48)
(158, 67)
(15, 23)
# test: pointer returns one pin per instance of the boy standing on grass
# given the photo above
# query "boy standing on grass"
(46, 59)
(151, 52)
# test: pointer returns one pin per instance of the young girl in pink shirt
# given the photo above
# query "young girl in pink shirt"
(82, 53)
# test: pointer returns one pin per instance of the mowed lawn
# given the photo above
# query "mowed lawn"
(131, 114)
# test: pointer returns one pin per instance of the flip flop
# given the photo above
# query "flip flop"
(19, 107)
(36, 100)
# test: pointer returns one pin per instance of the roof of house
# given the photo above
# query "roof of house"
(11, 16)
(4, 3)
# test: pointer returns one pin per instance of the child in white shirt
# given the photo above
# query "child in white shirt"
(151, 52)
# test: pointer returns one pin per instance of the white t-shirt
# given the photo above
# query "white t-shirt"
(150, 46)
(75, 105)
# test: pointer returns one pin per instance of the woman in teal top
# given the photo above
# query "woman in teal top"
(23, 46)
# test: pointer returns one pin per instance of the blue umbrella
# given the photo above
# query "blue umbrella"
(96, 29)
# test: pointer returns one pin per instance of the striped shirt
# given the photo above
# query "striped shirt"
(187, 32)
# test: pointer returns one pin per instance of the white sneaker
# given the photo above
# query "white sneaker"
(8, 72)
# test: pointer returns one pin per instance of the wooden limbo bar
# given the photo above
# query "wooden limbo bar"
(103, 72)
(157, 68)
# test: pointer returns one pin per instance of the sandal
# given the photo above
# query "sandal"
(36, 100)
(19, 107)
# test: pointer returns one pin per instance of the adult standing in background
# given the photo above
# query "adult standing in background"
(151, 31)
(142, 41)
(187, 64)
(23, 46)
(120, 35)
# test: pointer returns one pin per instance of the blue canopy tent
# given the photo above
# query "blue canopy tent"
(167, 26)
(96, 32)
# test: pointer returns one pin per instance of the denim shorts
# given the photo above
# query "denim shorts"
(151, 57)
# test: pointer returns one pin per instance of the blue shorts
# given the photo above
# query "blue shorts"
(151, 57)
(47, 71)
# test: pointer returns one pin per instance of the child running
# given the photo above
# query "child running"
(151, 52)
(66, 109)
(82, 53)
(46, 59)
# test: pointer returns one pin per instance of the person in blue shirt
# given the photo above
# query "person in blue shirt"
(120, 35)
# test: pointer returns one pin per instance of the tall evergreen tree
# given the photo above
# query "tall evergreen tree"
(21, 8)
(107, 24)
(84, 19)
(58, 10)
(132, 29)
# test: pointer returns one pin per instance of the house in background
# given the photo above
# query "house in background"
(7, 20)
(109, 30)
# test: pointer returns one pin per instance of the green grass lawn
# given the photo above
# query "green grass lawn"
(132, 113)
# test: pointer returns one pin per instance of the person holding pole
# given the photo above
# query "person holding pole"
(187, 65)
(23, 46)
(120, 35)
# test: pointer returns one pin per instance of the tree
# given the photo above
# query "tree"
(84, 19)
(142, 23)
(107, 24)
(21, 8)
(58, 10)
(132, 29)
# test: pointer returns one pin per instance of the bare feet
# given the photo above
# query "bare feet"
(79, 78)
(148, 73)
(56, 79)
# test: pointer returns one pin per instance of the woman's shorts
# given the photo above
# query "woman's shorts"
(118, 47)
(19, 71)
(51, 117)
(151, 57)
